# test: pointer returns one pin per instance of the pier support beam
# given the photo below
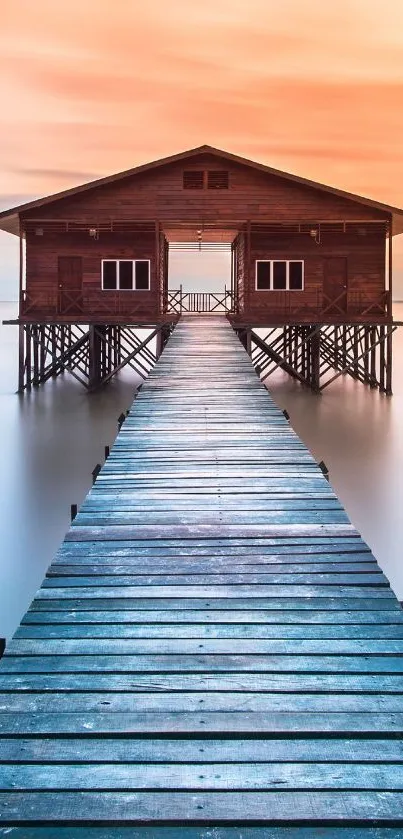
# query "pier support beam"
(318, 354)
(95, 373)
(245, 337)
(91, 354)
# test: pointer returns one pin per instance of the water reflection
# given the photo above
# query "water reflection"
(359, 434)
(52, 438)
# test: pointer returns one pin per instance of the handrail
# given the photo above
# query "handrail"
(281, 303)
(201, 302)
(79, 303)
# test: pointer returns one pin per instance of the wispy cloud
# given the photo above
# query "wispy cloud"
(92, 88)
(71, 175)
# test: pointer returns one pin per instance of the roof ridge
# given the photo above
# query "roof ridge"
(12, 215)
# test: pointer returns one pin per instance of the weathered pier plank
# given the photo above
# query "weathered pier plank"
(214, 653)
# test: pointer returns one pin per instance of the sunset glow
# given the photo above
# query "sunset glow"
(90, 88)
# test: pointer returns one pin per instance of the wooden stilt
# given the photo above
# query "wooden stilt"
(28, 346)
(35, 355)
(372, 357)
(42, 350)
(355, 350)
(315, 361)
(366, 357)
(389, 362)
(382, 371)
(94, 357)
(21, 358)
(159, 343)
(344, 347)
(54, 333)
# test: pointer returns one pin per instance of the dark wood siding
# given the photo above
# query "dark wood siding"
(365, 265)
(158, 199)
(160, 195)
(44, 253)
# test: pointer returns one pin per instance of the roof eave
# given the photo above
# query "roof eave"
(9, 219)
(11, 223)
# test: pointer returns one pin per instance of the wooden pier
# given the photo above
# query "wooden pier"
(214, 653)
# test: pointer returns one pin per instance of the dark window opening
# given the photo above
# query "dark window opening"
(296, 276)
(109, 275)
(193, 179)
(263, 275)
(142, 274)
(217, 179)
(279, 275)
(125, 274)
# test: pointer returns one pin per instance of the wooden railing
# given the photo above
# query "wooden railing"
(217, 302)
(80, 303)
(282, 304)
(292, 305)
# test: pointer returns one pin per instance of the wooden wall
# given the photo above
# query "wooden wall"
(159, 194)
(42, 254)
(365, 257)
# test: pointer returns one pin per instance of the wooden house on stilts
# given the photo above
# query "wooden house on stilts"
(310, 262)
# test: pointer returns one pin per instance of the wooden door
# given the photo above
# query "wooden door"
(335, 285)
(70, 278)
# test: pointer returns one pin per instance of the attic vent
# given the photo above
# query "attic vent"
(193, 179)
(217, 179)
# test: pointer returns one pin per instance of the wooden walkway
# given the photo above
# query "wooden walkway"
(214, 653)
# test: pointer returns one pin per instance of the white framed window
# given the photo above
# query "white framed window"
(279, 275)
(125, 274)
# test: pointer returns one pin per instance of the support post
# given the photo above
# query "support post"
(343, 347)
(245, 337)
(28, 342)
(315, 361)
(21, 265)
(94, 357)
(248, 266)
(390, 270)
(54, 348)
(157, 267)
(356, 351)
(389, 362)
(336, 346)
(35, 354)
(232, 276)
(21, 357)
(62, 341)
(248, 346)
(372, 356)
(42, 351)
(382, 387)
(159, 343)
(366, 356)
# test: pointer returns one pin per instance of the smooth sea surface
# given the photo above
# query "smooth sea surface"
(52, 437)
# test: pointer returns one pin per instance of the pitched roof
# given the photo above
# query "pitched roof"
(9, 219)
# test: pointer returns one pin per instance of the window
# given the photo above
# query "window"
(126, 274)
(217, 179)
(295, 275)
(279, 274)
(193, 179)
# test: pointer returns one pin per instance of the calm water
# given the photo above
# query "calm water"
(52, 438)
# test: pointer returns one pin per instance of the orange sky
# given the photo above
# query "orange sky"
(312, 87)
